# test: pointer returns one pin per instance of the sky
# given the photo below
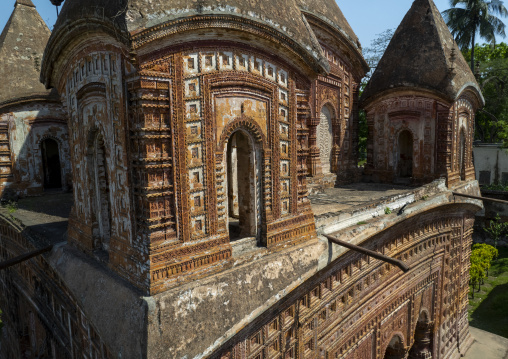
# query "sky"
(367, 17)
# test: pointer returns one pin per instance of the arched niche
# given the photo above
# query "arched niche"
(99, 190)
(405, 154)
(422, 345)
(243, 185)
(324, 135)
(396, 348)
(51, 164)
(462, 154)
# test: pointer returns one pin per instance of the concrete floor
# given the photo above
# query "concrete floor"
(487, 346)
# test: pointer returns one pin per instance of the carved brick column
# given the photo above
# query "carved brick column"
(422, 347)
(314, 161)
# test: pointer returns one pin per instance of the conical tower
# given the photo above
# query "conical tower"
(22, 45)
(28, 110)
(421, 102)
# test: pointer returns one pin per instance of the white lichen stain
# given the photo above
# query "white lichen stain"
(190, 300)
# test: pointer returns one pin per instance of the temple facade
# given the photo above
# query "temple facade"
(196, 132)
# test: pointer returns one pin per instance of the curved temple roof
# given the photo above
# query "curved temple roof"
(420, 55)
(22, 44)
(329, 11)
(285, 17)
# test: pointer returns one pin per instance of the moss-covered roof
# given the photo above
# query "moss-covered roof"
(420, 56)
(329, 11)
(22, 44)
(283, 18)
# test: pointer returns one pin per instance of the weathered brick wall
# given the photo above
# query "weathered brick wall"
(41, 315)
(354, 307)
(23, 129)
(434, 128)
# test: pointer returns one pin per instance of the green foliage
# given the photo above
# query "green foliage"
(496, 187)
(481, 261)
(492, 74)
(362, 137)
(488, 310)
(361, 222)
(496, 229)
(12, 207)
(388, 210)
(470, 18)
(487, 251)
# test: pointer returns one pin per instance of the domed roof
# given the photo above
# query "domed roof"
(284, 19)
(22, 44)
(421, 55)
(329, 11)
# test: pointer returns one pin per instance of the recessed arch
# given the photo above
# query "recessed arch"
(396, 348)
(100, 190)
(51, 163)
(462, 154)
(324, 136)
(246, 124)
(242, 153)
(405, 141)
(422, 344)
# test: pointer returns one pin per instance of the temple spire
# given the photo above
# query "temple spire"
(422, 54)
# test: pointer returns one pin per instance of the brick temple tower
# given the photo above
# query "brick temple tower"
(34, 151)
(190, 132)
(420, 104)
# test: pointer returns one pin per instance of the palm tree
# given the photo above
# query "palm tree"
(475, 17)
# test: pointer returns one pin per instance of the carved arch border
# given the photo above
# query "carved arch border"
(465, 108)
(395, 147)
(61, 153)
(242, 123)
(247, 84)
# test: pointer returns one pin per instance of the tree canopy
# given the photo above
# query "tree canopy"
(468, 19)
(492, 74)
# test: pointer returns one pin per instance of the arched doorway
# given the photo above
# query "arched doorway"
(422, 347)
(100, 193)
(324, 137)
(242, 186)
(462, 155)
(405, 154)
(396, 348)
(51, 167)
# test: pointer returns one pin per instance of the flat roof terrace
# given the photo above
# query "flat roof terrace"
(46, 216)
(346, 205)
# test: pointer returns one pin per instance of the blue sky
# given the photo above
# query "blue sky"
(367, 17)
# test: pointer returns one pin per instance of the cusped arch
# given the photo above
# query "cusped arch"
(242, 123)
(330, 106)
(48, 137)
(396, 347)
(408, 129)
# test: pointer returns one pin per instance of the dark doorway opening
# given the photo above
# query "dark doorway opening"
(422, 346)
(462, 154)
(405, 154)
(241, 186)
(51, 166)
(396, 349)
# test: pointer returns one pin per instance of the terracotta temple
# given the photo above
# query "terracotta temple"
(187, 159)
